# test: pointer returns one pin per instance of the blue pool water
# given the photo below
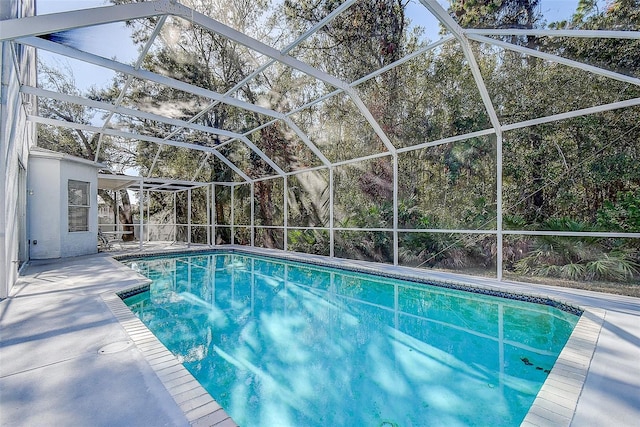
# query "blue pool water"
(278, 343)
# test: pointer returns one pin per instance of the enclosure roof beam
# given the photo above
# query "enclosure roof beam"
(357, 82)
(326, 20)
(155, 160)
(330, 17)
(149, 116)
(109, 181)
(360, 105)
(554, 33)
(125, 87)
(402, 60)
(445, 19)
(307, 141)
(144, 74)
(541, 120)
(200, 166)
(572, 114)
(157, 187)
(557, 59)
(147, 138)
(148, 75)
(251, 43)
(361, 80)
(442, 141)
(55, 22)
(302, 135)
(262, 155)
(373, 74)
(123, 110)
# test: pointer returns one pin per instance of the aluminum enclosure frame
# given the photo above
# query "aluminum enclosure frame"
(24, 31)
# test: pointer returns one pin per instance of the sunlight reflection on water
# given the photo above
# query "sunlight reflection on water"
(331, 347)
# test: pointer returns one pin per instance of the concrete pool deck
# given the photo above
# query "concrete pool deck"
(68, 356)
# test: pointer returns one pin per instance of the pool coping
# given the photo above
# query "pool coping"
(195, 402)
(556, 402)
(554, 405)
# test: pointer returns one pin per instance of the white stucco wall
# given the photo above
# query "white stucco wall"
(49, 175)
(79, 242)
(44, 207)
(16, 135)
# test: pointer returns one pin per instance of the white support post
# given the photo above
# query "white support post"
(331, 224)
(253, 213)
(286, 213)
(116, 226)
(214, 218)
(141, 213)
(499, 204)
(189, 217)
(175, 219)
(395, 209)
(208, 215)
(148, 216)
(501, 345)
(232, 216)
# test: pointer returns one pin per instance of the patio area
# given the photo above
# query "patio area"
(67, 360)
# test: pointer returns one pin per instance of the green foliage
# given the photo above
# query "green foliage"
(578, 261)
(622, 214)
(368, 35)
(577, 258)
(579, 174)
(495, 13)
(447, 251)
(309, 241)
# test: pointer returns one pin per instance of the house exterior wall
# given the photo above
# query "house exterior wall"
(49, 175)
(79, 242)
(17, 64)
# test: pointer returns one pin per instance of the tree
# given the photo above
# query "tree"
(78, 142)
(202, 58)
(495, 13)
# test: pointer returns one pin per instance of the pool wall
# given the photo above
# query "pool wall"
(330, 262)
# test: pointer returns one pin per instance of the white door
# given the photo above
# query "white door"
(23, 246)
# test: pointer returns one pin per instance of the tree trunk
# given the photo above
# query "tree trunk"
(125, 213)
(264, 195)
(126, 216)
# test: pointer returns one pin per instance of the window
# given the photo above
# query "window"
(78, 206)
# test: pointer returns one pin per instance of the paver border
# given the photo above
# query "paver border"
(194, 401)
(556, 402)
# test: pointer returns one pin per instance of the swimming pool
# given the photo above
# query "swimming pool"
(283, 343)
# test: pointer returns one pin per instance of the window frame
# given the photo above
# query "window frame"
(73, 223)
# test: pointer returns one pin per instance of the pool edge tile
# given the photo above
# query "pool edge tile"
(198, 407)
(570, 369)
